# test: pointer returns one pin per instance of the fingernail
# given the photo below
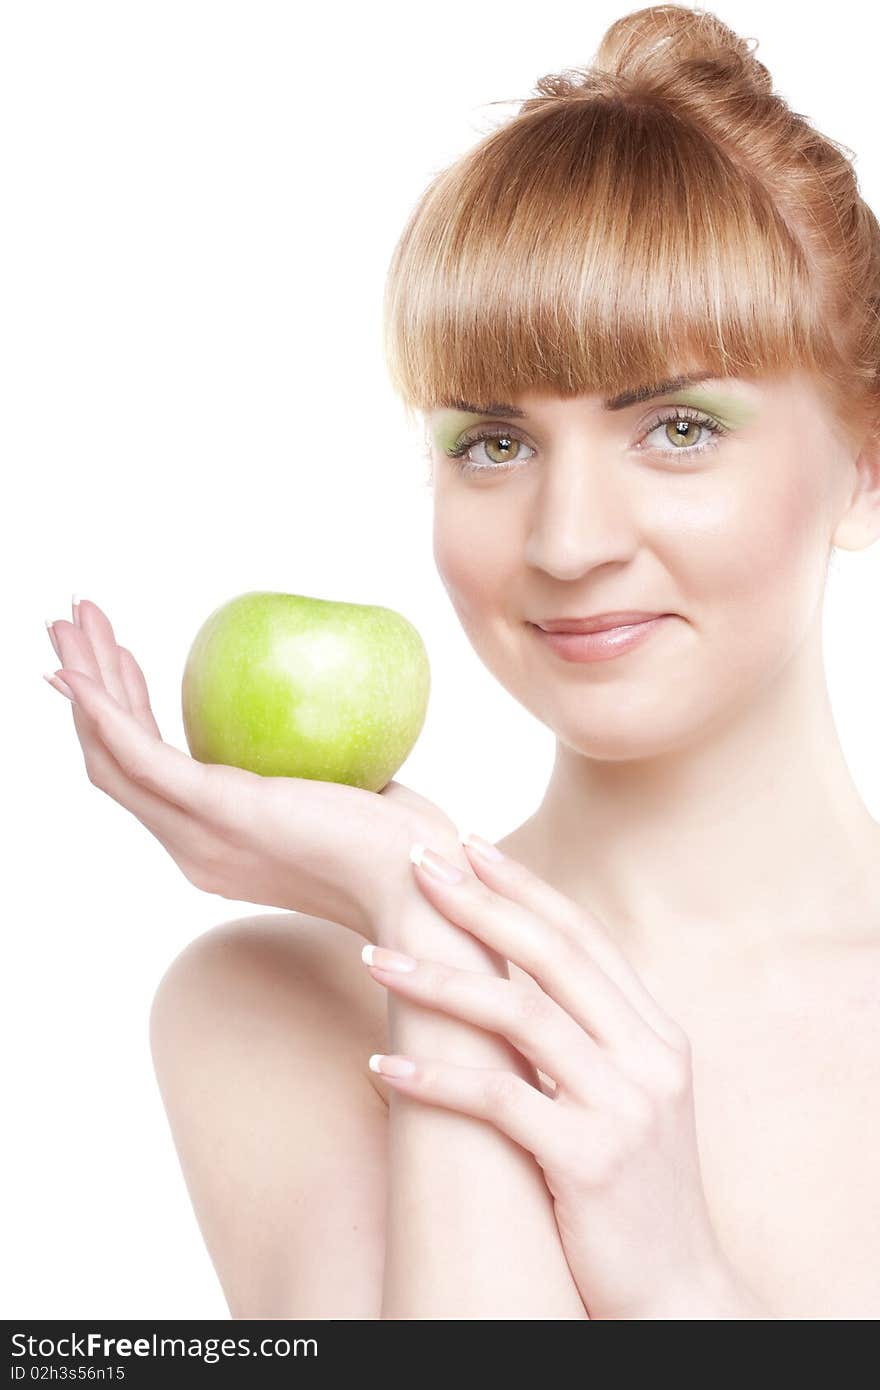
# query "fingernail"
(74, 603)
(58, 684)
(51, 631)
(391, 1066)
(384, 959)
(480, 846)
(435, 864)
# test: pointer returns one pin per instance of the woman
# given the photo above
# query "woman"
(641, 323)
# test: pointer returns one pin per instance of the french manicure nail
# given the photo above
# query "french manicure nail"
(58, 684)
(74, 603)
(388, 1065)
(384, 959)
(480, 846)
(51, 631)
(435, 864)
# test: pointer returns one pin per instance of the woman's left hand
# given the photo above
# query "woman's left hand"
(617, 1138)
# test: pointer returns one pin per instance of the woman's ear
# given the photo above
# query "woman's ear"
(859, 524)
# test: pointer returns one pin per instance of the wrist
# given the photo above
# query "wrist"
(406, 920)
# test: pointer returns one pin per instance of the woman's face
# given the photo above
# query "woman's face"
(578, 507)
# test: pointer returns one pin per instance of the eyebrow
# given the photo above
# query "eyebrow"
(626, 398)
(647, 393)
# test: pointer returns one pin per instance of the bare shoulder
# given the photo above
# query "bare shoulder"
(288, 961)
(266, 933)
(260, 1032)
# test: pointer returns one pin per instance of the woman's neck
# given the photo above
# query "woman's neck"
(753, 835)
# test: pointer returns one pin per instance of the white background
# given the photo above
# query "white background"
(199, 204)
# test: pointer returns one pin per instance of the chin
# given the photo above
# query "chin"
(617, 720)
(621, 740)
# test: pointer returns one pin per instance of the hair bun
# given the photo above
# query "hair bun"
(660, 49)
(651, 44)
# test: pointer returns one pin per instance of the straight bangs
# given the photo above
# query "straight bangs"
(590, 247)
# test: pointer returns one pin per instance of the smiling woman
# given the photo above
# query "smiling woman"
(626, 1068)
(642, 321)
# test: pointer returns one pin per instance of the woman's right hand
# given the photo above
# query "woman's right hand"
(322, 848)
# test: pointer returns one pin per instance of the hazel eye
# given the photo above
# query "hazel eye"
(681, 432)
(680, 426)
(503, 451)
(507, 447)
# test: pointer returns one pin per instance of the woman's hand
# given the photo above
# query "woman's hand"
(617, 1138)
(321, 848)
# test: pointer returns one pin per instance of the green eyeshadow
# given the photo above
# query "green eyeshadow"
(730, 409)
(447, 430)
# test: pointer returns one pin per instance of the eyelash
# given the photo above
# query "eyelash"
(678, 412)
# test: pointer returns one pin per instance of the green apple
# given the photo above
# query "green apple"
(291, 686)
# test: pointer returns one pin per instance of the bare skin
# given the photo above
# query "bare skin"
(282, 1141)
(282, 1137)
(260, 1031)
(700, 805)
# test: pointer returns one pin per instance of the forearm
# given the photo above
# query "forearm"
(470, 1229)
(722, 1295)
(337, 842)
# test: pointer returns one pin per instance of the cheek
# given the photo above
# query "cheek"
(752, 556)
(475, 557)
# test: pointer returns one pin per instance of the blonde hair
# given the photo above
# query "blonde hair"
(662, 208)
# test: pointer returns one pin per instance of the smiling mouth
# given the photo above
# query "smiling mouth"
(603, 644)
(600, 622)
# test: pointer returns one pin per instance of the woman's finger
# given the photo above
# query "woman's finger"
(173, 827)
(99, 632)
(54, 640)
(103, 769)
(532, 1120)
(189, 844)
(545, 948)
(138, 695)
(77, 653)
(141, 756)
(519, 884)
(535, 1024)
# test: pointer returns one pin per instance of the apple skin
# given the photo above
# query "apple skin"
(291, 686)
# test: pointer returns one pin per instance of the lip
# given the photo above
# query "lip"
(598, 622)
(602, 644)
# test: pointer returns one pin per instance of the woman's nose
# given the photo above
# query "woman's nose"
(582, 518)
